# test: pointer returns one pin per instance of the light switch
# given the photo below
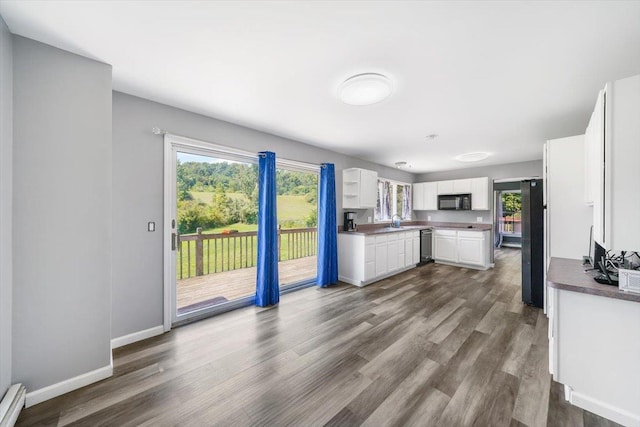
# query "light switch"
(428, 217)
(151, 226)
(369, 219)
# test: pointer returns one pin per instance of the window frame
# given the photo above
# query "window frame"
(394, 194)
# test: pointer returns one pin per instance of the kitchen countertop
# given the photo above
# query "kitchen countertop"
(373, 229)
(569, 275)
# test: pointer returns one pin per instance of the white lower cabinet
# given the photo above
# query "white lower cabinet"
(471, 249)
(466, 248)
(444, 246)
(594, 348)
(369, 259)
(408, 252)
(381, 259)
(366, 259)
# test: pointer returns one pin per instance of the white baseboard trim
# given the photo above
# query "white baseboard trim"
(11, 405)
(603, 409)
(137, 336)
(58, 389)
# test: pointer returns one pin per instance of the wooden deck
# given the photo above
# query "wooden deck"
(240, 283)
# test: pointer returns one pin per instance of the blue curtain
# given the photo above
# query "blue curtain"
(327, 227)
(267, 289)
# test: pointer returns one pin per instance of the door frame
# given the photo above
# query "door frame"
(173, 144)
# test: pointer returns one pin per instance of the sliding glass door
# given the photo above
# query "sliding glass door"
(211, 213)
(213, 231)
(297, 225)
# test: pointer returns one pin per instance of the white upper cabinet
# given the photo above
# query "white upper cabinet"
(480, 194)
(430, 190)
(445, 187)
(425, 196)
(461, 186)
(616, 199)
(594, 139)
(359, 188)
(418, 196)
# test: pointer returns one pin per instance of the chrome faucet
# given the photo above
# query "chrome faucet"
(395, 224)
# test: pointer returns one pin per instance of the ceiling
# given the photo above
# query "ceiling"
(500, 77)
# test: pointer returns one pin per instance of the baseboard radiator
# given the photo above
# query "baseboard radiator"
(11, 405)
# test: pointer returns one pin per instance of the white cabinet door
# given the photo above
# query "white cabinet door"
(462, 186)
(471, 250)
(430, 196)
(381, 259)
(392, 256)
(408, 252)
(401, 250)
(480, 194)
(369, 261)
(445, 187)
(368, 188)
(416, 249)
(445, 248)
(418, 196)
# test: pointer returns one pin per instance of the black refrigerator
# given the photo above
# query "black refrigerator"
(532, 242)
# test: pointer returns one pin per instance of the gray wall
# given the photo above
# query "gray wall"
(511, 170)
(138, 195)
(6, 161)
(61, 216)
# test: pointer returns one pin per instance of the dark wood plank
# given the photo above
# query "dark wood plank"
(437, 345)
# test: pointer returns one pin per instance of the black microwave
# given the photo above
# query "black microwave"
(454, 202)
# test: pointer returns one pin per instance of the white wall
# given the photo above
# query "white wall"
(6, 171)
(61, 215)
(138, 198)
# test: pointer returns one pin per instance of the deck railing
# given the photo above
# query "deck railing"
(510, 224)
(202, 254)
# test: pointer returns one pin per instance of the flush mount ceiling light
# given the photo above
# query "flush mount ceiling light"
(365, 89)
(471, 157)
(401, 165)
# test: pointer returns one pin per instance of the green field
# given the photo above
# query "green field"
(206, 197)
(289, 207)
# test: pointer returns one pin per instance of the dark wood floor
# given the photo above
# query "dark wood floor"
(437, 345)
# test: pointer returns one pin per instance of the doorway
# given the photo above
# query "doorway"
(211, 208)
(297, 210)
(508, 219)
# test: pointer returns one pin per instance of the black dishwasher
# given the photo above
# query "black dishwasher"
(426, 252)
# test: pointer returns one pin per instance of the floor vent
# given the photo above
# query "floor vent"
(11, 405)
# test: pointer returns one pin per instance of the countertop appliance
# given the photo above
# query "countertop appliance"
(350, 221)
(426, 252)
(454, 202)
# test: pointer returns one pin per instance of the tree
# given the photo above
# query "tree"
(512, 202)
(312, 219)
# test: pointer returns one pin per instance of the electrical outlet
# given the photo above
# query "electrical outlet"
(151, 226)
(428, 217)
(479, 219)
(369, 219)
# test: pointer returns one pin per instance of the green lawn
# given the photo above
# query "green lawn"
(293, 208)
(290, 208)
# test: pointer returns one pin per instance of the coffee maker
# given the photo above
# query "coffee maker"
(349, 221)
